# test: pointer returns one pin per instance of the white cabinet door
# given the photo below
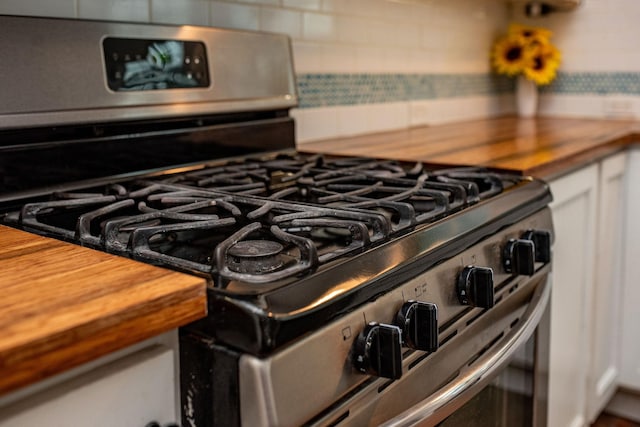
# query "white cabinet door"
(574, 214)
(129, 392)
(630, 349)
(605, 311)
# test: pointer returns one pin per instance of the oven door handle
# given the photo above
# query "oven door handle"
(451, 397)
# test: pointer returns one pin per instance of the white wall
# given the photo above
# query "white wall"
(601, 60)
(391, 37)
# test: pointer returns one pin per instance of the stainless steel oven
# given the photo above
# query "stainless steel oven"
(341, 291)
(506, 387)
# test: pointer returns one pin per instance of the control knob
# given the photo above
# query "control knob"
(521, 254)
(519, 257)
(419, 324)
(542, 241)
(378, 351)
(475, 286)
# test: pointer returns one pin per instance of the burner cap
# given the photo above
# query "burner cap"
(255, 256)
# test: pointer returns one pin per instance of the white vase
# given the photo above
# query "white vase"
(526, 97)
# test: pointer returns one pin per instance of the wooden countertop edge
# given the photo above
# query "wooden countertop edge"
(552, 152)
(45, 337)
(57, 353)
(558, 167)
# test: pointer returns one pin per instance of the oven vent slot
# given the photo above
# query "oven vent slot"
(514, 323)
(453, 320)
(418, 360)
(503, 284)
(485, 349)
(474, 318)
(448, 338)
(385, 385)
(338, 420)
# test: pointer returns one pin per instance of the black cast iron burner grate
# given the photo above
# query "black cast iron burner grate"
(258, 221)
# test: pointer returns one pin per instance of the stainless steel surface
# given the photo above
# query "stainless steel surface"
(280, 353)
(248, 71)
(438, 406)
(276, 390)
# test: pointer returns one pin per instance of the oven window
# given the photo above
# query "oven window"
(508, 401)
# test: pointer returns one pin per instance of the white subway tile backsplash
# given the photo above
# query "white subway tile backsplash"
(319, 27)
(362, 119)
(340, 59)
(313, 124)
(446, 110)
(596, 36)
(267, 2)
(360, 8)
(281, 21)
(370, 59)
(189, 12)
(352, 119)
(380, 33)
(387, 116)
(408, 36)
(313, 57)
(51, 8)
(351, 30)
(303, 4)
(238, 16)
(308, 57)
(115, 10)
(572, 105)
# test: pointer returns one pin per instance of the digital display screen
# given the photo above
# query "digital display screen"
(138, 64)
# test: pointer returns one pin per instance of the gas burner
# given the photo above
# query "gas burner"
(255, 256)
(235, 255)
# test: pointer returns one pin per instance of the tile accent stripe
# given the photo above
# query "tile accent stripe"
(600, 83)
(321, 90)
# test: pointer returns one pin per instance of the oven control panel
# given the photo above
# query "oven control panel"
(377, 350)
(425, 318)
(144, 64)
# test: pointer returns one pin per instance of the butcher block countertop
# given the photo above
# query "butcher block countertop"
(63, 305)
(542, 147)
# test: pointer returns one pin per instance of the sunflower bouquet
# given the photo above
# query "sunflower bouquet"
(526, 51)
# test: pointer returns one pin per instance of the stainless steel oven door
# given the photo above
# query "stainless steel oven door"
(505, 386)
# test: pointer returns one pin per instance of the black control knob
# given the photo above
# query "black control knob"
(519, 256)
(542, 241)
(378, 351)
(475, 286)
(419, 324)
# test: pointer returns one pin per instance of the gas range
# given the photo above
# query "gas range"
(267, 228)
(331, 277)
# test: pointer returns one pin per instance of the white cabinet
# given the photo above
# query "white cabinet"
(630, 349)
(588, 213)
(130, 391)
(574, 214)
(602, 380)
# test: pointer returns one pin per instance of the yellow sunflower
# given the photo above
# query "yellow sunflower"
(528, 51)
(511, 55)
(544, 65)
